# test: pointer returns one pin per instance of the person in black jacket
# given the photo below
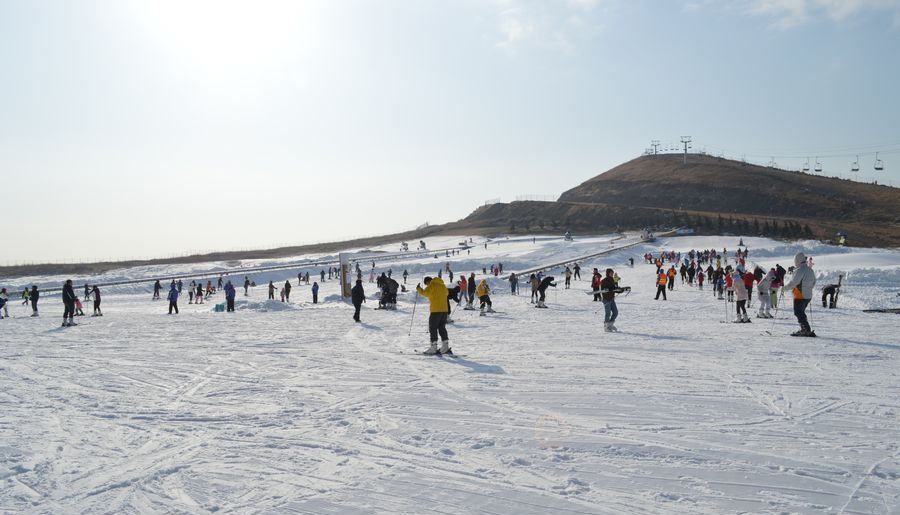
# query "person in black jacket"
(96, 292)
(358, 296)
(35, 295)
(287, 291)
(156, 288)
(68, 297)
(542, 290)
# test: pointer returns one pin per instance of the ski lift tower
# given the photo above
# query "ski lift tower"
(686, 141)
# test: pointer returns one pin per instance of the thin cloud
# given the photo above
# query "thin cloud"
(548, 24)
(787, 14)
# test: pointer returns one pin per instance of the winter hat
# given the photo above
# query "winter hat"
(799, 258)
(426, 280)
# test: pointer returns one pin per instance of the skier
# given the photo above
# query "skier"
(4, 297)
(246, 286)
(218, 284)
(661, 277)
(198, 295)
(287, 291)
(801, 285)
(358, 296)
(577, 272)
(741, 296)
(271, 290)
(700, 277)
(315, 292)
(68, 297)
(483, 292)
(534, 282)
(463, 287)
(568, 274)
(25, 296)
(299, 278)
(191, 291)
(470, 284)
(173, 299)
(672, 274)
(513, 283)
(229, 297)
(595, 285)
(436, 293)
(608, 288)
(178, 283)
(96, 292)
(33, 297)
(405, 275)
(546, 282)
(79, 307)
(321, 276)
(764, 288)
(156, 288)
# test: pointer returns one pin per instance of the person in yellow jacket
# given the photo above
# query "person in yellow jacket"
(436, 293)
(661, 279)
(483, 292)
(672, 275)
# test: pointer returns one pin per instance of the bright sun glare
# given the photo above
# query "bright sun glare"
(216, 34)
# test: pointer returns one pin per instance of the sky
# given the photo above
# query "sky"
(136, 129)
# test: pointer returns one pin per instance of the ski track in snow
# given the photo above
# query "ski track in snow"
(297, 409)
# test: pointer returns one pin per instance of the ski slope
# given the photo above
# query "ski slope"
(294, 408)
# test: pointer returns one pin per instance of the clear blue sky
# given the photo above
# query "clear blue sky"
(162, 127)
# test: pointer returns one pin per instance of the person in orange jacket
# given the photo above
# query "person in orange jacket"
(672, 273)
(661, 279)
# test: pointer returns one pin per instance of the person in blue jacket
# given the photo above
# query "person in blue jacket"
(173, 299)
(315, 292)
(229, 296)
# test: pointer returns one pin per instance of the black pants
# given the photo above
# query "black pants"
(596, 294)
(229, 304)
(34, 305)
(800, 313)
(578, 274)
(272, 294)
(356, 306)
(485, 299)
(315, 298)
(542, 293)
(671, 283)
(173, 304)
(741, 307)
(568, 281)
(97, 306)
(661, 289)
(69, 309)
(827, 292)
(437, 324)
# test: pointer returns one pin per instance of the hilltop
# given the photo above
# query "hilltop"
(709, 194)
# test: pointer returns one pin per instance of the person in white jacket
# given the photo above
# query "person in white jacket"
(741, 295)
(764, 287)
(801, 285)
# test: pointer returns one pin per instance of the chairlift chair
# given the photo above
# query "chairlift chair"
(855, 166)
(818, 167)
(879, 164)
(806, 165)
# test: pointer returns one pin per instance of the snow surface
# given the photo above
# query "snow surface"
(294, 408)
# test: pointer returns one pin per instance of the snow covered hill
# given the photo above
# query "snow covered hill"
(295, 408)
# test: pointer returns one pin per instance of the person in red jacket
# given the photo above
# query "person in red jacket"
(595, 284)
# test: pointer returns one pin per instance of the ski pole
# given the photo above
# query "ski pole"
(413, 316)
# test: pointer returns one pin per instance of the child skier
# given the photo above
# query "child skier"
(764, 288)
(483, 292)
(740, 294)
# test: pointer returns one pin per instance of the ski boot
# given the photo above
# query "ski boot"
(445, 348)
(613, 328)
(431, 350)
(490, 309)
(607, 327)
